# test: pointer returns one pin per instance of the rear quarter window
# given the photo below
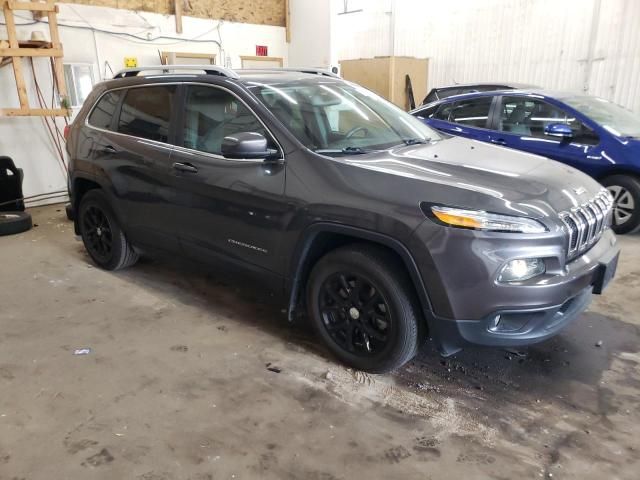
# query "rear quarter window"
(103, 112)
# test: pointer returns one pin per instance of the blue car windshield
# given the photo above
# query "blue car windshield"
(613, 118)
(338, 118)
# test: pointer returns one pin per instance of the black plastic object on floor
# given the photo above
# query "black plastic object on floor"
(10, 186)
(14, 222)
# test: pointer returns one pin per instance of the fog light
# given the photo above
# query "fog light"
(521, 269)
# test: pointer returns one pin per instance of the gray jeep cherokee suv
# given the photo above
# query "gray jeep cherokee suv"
(383, 229)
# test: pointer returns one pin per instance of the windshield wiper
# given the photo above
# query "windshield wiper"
(415, 141)
(345, 150)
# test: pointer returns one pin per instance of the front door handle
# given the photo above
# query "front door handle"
(498, 141)
(184, 167)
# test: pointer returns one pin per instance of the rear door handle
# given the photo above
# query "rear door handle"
(184, 167)
(498, 141)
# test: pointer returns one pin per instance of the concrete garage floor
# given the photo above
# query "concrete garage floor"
(177, 384)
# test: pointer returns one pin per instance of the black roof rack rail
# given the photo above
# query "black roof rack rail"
(313, 71)
(207, 69)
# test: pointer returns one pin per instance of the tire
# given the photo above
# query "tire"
(14, 222)
(102, 236)
(373, 323)
(626, 209)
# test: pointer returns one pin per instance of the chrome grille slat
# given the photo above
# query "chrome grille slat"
(584, 224)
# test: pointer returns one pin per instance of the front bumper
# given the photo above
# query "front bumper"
(470, 307)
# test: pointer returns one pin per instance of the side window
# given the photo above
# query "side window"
(212, 114)
(102, 113)
(472, 113)
(146, 112)
(427, 112)
(527, 116)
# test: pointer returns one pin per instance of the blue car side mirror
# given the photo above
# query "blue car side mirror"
(561, 130)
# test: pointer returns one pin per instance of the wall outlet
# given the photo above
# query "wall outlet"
(130, 62)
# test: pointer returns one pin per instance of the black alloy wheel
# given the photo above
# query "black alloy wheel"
(362, 305)
(355, 314)
(97, 230)
(101, 234)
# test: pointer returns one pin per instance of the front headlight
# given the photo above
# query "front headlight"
(480, 220)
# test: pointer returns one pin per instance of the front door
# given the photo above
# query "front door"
(521, 122)
(233, 208)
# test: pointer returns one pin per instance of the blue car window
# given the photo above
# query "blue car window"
(529, 117)
(473, 112)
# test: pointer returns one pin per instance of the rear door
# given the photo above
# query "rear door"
(520, 122)
(134, 156)
(229, 207)
(466, 118)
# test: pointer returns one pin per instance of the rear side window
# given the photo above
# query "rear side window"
(473, 112)
(146, 112)
(104, 110)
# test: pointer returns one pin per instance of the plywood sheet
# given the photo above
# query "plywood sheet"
(260, 12)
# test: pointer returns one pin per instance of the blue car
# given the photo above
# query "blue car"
(588, 133)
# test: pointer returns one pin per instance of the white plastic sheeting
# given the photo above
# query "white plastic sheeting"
(588, 46)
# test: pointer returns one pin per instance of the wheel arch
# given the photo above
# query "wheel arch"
(619, 171)
(321, 238)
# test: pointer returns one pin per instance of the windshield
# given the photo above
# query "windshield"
(336, 118)
(613, 118)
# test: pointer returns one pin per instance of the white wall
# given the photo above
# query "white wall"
(310, 33)
(580, 45)
(26, 140)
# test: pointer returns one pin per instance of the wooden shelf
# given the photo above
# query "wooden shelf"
(12, 51)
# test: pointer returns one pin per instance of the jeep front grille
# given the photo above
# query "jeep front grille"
(585, 224)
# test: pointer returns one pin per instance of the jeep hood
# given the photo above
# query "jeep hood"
(506, 175)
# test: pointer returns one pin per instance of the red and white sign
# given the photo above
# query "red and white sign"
(262, 51)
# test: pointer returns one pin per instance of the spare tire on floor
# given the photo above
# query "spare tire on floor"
(14, 222)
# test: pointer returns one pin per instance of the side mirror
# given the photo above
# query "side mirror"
(246, 145)
(561, 130)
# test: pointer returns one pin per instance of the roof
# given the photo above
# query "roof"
(555, 94)
(513, 85)
(278, 74)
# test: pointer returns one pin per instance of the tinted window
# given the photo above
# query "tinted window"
(146, 112)
(103, 112)
(212, 114)
(427, 112)
(473, 112)
(448, 92)
(528, 116)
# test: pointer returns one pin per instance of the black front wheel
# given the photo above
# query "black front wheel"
(102, 236)
(362, 305)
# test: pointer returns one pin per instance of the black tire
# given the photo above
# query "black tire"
(626, 209)
(14, 222)
(101, 234)
(352, 321)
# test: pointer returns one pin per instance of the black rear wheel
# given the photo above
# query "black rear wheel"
(102, 236)
(361, 304)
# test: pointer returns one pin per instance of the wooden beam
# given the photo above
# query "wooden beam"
(30, 52)
(32, 6)
(17, 62)
(287, 22)
(58, 68)
(178, 10)
(34, 112)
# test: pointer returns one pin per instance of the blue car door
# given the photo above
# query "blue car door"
(466, 117)
(521, 122)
